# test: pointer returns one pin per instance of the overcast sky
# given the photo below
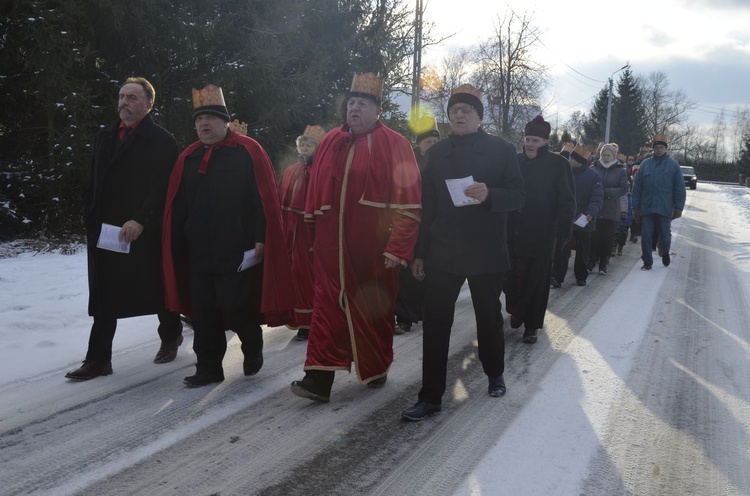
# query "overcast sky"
(702, 45)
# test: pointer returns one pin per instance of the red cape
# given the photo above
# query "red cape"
(277, 300)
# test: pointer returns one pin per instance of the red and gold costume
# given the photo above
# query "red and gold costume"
(299, 240)
(364, 196)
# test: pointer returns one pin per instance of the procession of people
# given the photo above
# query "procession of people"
(362, 238)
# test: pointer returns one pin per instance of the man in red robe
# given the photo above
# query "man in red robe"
(365, 199)
(224, 260)
(297, 232)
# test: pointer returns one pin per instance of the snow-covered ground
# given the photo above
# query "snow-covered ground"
(560, 420)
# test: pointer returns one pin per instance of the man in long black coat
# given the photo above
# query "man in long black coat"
(460, 240)
(132, 160)
(532, 231)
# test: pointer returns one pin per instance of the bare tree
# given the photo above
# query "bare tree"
(716, 137)
(665, 108)
(510, 78)
(741, 130)
(574, 125)
(437, 84)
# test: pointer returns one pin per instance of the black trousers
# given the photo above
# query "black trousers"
(410, 298)
(103, 333)
(527, 290)
(582, 241)
(219, 302)
(602, 241)
(441, 293)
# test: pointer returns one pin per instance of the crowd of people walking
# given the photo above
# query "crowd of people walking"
(361, 238)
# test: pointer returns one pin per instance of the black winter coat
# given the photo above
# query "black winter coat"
(128, 181)
(589, 194)
(468, 240)
(549, 209)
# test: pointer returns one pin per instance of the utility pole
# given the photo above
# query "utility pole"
(417, 70)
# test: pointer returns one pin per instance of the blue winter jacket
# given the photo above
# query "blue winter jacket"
(659, 187)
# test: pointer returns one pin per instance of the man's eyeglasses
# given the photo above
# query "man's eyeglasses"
(464, 109)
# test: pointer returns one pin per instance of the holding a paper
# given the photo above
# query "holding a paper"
(468, 169)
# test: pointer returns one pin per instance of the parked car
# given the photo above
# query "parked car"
(690, 178)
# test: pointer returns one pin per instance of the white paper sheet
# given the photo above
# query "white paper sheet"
(581, 221)
(248, 260)
(456, 189)
(109, 239)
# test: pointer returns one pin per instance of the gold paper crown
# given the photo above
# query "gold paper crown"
(210, 95)
(367, 84)
(467, 88)
(622, 157)
(567, 147)
(424, 124)
(238, 127)
(314, 132)
(583, 151)
(660, 137)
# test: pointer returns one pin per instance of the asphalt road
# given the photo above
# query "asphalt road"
(637, 386)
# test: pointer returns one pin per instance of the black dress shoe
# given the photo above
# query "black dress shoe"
(304, 389)
(646, 267)
(665, 259)
(168, 351)
(496, 387)
(200, 380)
(581, 282)
(377, 383)
(90, 369)
(420, 411)
(302, 334)
(529, 336)
(252, 366)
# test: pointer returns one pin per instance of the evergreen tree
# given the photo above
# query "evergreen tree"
(596, 121)
(628, 122)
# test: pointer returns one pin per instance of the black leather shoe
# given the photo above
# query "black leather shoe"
(252, 366)
(377, 383)
(665, 259)
(581, 282)
(200, 380)
(89, 370)
(496, 387)
(646, 267)
(302, 334)
(554, 282)
(529, 336)
(304, 390)
(420, 411)
(168, 351)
